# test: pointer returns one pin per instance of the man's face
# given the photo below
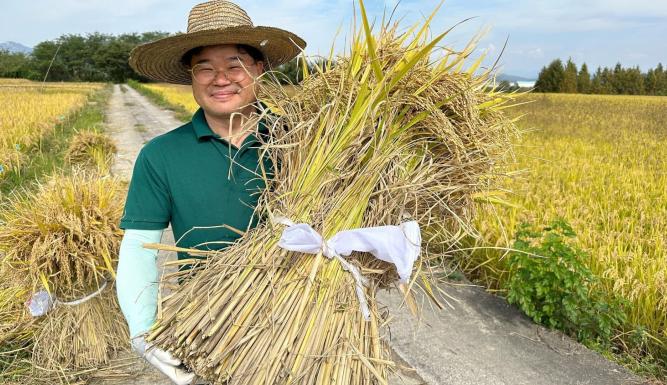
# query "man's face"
(224, 79)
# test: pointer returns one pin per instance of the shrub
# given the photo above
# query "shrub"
(550, 282)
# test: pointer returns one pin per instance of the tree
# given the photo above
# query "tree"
(569, 83)
(551, 77)
(584, 80)
(14, 65)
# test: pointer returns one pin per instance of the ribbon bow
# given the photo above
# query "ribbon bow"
(399, 245)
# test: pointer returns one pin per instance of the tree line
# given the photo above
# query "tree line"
(567, 78)
(97, 57)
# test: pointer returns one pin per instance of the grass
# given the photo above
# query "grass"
(48, 155)
(158, 97)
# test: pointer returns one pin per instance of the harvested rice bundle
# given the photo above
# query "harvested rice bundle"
(12, 159)
(384, 135)
(83, 336)
(91, 150)
(64, 238)
(15, 322)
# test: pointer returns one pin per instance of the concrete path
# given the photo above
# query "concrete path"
(481, 341)
(485, 341)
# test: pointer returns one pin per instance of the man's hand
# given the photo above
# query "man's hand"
(163, 361)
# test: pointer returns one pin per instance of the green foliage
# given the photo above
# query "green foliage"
(550, 282)
(14, 65)
(551, 78)
(616, 81)
(95, 57)
(569, 84)
(584, 80)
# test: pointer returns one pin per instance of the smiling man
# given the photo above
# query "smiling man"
(203, 174)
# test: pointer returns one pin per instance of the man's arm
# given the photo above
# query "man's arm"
(137, 279)
(137, 288)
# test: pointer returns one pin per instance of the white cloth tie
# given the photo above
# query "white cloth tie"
(399, 245)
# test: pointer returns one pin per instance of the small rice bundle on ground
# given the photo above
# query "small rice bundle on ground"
(91, 150)
(384, 135)
(12, 159)
(64, 238)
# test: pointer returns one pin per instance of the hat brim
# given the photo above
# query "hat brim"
(161, 59)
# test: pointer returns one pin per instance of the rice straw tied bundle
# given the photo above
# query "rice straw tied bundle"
(64, 239)
(383, 135)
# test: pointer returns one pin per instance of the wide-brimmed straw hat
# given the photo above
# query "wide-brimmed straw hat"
(212, 23)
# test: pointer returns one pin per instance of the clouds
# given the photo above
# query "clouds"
(600, 32)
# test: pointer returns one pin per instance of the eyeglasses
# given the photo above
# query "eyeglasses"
(206, 73)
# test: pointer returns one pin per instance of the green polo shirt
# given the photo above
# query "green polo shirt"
(196, 180)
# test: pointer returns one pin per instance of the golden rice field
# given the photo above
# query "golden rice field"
(599, 162)
(175, 94)
(30, 111)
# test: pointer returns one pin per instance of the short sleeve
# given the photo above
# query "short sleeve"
(148, 204)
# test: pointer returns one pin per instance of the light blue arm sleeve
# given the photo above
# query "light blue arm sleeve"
(137, 279)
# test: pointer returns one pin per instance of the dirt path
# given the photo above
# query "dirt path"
(480, 340)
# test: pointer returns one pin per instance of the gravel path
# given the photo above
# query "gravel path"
(480, 340)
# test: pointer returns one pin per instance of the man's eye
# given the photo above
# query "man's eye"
(205, 70)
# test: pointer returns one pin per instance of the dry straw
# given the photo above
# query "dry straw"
(91, 150)
(396, 129)
(64, 237)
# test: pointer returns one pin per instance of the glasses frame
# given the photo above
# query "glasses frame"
(246, 74)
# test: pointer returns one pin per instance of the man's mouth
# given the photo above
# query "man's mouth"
(224, 95)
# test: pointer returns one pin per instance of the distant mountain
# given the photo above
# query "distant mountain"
(513, 78)
(14, 47)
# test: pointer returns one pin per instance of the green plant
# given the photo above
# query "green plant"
(551, 283)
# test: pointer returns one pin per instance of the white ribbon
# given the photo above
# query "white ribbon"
(399, 245)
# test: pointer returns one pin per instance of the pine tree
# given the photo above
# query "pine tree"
(584, 80)
(596, 82)
(661, 80)
(569, 83)
(550, 78)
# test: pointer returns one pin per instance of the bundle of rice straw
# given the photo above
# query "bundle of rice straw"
(92, 150)
(64, 238)
(15, 321)
(12, 159)
(383, 135)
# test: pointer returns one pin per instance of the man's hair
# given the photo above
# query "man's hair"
(254, 53)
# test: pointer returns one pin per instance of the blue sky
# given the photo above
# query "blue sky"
(599, 32)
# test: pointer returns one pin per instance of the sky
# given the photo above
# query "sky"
(598, 32)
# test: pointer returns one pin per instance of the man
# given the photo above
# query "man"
(203, 174)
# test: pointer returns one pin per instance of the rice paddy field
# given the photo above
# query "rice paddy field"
(598, 162)
(30, 112)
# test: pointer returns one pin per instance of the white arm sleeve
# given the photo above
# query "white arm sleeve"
(137, 279)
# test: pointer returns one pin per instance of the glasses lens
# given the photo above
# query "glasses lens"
(203, 74)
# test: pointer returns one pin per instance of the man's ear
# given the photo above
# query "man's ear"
(260, 66)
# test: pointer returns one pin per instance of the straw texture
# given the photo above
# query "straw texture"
(382, 136)
(212, 23)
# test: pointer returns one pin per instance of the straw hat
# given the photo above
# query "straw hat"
(211, 23)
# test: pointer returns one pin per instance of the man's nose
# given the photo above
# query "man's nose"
(221, 78)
